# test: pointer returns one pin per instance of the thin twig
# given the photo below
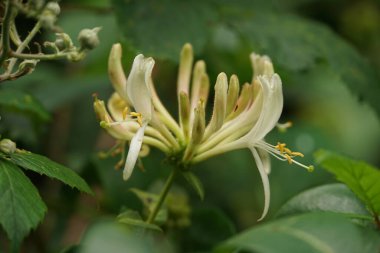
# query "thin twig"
(5, 30)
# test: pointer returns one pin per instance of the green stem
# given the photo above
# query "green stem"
(5, 31)
(162, 197)
(39, 56)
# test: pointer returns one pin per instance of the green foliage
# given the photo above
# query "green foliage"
(335, 198)
(21, 207)
(16, 100)
(294, 43)
(362, 178)
(45, 166)
(134, 220)
(195, 183)
(312, 232)
(209, 227)
(183, 21)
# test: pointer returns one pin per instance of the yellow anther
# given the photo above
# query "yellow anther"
(280, 147)
(125, 112)
(290, 161)
(288, 151)
(297, 154)
(138, 117)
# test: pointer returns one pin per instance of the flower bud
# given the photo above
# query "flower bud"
(7, 146)
(243, 101)
(88, 38)
(184, 72)
(233, 94)
(116, 72)
(184, 113)
(262, 65)
(53, 7)
(199, 70)
(220, 102)
(48, 19)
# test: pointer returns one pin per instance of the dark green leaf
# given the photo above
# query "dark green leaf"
(45, 166)
(296, 44)
(195, 183)
(161, 28)
(209, 226)
(109, 236)
(312, 233)
(332, 197)
(22, 102)
(133, 218)
(21, 207)
(362, 178)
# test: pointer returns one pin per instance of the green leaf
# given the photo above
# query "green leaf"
(133, 218)
(22, 102)
(45, 166)
(21, 207)
(297, 44)
(109, 236)
(195, 183)
(362, 178)
(161, 28)
(335, 198)
(209, 226)
(312, 233)
(149, 201)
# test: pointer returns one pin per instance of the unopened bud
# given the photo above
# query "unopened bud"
(205, 88)
(243, 101)
(7, 146)
(116, 72)
(88, 38)
(233, 94)
(220, 102)
(48, 19)
(184, 72)
(262, 65)
(199, 70)
(53, 7)
(184, 113)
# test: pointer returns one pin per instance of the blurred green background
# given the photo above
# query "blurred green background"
(326, 51)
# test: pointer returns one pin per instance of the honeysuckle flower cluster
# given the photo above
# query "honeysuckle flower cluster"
(241, 115)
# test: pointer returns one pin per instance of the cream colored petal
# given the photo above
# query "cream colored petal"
(138, 86)
(133, 153)
(264, 179)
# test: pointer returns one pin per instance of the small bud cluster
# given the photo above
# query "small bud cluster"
(46, 14)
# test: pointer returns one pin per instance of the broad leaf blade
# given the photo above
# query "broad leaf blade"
(297, 44)
(45, 166)
(142, 23)
(22, 102)
(312, 233)
(360, 177)
(21, 207)
(335, 198)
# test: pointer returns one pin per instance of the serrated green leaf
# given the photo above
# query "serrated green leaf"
(142, 24)
(195, 183)
(362, 178)
(45, 166)
(297, 44)
(335, 198)
(312, 233)
(21, 207)
(22, 102)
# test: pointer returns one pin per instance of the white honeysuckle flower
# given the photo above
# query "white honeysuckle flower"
(239, 120)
